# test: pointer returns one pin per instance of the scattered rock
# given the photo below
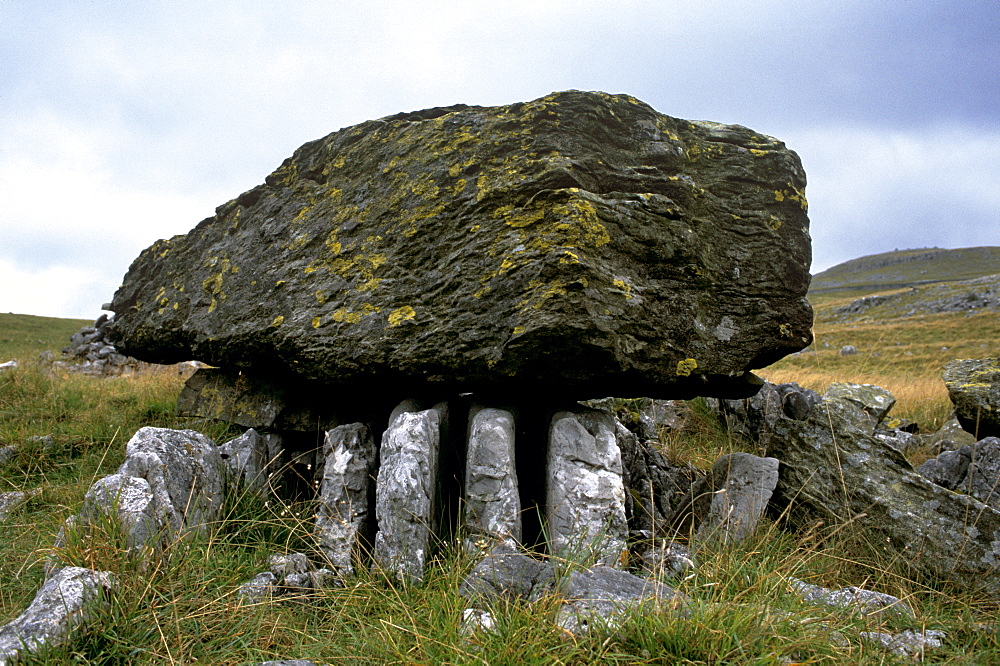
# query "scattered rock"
(601, 598)
(659, 417)
(257, 589)
(585, 498)
(288, 575)
(406, 491)
(729, 501)
(492, 505)
(346, 483)
(577, 245)
(475, 620)
(833, 470)
(667, 559)
(7, 454)
(906, 643)
(848, 350)
(949, 437)
(974, 388)
(11, 500)
(90, 352)
(8, 365)
(508, 574)
(856, 599)
(66, 600)
(973, 470)
(873, 400)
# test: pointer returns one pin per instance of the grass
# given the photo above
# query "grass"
(181, 607)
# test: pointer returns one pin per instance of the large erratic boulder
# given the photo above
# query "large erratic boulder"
(581, 243)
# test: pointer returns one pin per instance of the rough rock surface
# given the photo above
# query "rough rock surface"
(406, 490)
(580, 243)
(600, 598)
(341, 522)
(974, 388)
(509, 574)
(729, 501)
(61, 604)
(834, 470)
(856, 599)
(585, 496)
(754, 417)
(972, 469)
(170, 483)
(492, 505)
(249, 458)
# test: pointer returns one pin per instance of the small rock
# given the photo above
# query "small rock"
(848, 350)
(906, 643)
(475, 620)
(873, 400)
(974, 388)
(63, 602)
(9, 365)
(7, 454)
(11, 500)
(865, 602)
(258, 588)
(509, 574)
(668, 559)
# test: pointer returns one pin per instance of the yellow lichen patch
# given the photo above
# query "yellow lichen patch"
(759, 153)
(792, 193)
(212, 306)
(339, 162)
(336, 194)
(369, 285)
(297, 243)
(212, 284)
(399, 315)
(321, 297)
(773, 223)
(625, 287)
(519, 330)
(279, 283)
(785, 330)
(316, 321)
(457, 188)
(278, 321)
(686, 367)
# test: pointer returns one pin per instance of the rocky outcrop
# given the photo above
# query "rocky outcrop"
(91, 352)
(974, 388)
(754, 417)
(65, 601)
(834, 470)
(581, 244)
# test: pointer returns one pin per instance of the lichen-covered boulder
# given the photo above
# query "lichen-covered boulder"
(974, 388)
(578, 244)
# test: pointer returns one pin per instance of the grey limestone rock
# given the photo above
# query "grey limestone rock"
(184, 473)
(580, 244)
(132, 502)
(974, 388)
(600, 599)
(873, 400)
(585, 497)
(907, 643)
(258, 588)
(949, 437)
(667, 559)
(11, 500)
(350, 458)
(856, 599)
(728, 502)
(492, 506)
(250, 457)
(507, 573)
(406, 491)
(754, 417)
(833, 470)
(7, 454)
(63, 602)
(973, 469)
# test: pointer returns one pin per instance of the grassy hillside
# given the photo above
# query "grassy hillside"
(903, 268)
(24, 336)
(180, 607)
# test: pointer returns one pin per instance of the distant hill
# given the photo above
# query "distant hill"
(904, 268)
(23, 336)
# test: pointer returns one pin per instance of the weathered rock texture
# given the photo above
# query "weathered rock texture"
(973, 469)
(581, 243)
(729, 501)
(974, 387)
(170, 483)
(833, 469)
(492, 506)
(406, 491)
(62, 604)
(344, 495)
(585, 498)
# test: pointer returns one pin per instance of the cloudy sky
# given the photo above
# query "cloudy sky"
(123, 122)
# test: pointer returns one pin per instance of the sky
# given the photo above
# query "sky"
(123, 122)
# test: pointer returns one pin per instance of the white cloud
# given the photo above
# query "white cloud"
(876, 189)
(57, 291)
